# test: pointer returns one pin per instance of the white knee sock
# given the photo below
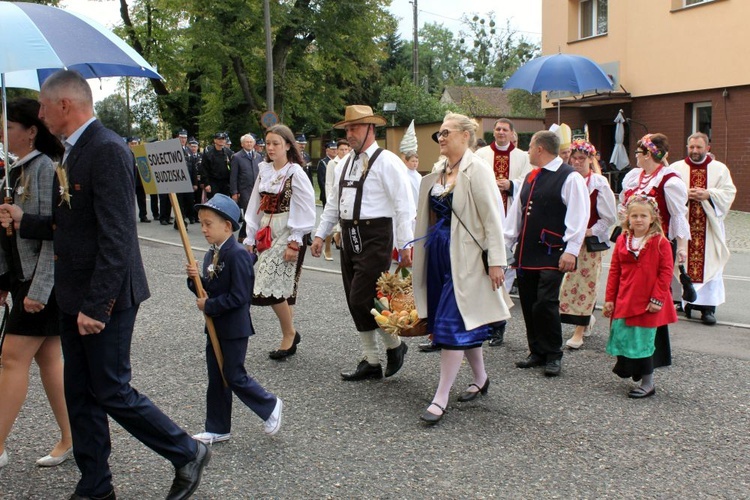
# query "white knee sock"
(369, 347)
(390, 341)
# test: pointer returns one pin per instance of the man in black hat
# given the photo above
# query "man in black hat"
(184, 199)
(215, 165)
(373, 197)
(322, 167)
(194, 167)
(301, 145)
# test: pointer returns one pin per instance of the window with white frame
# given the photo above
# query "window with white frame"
(702, 118)
(688, 3)
(592, 18)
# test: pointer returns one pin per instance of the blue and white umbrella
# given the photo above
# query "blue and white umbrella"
(37, 40)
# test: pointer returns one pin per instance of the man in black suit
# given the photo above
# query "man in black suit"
(242, 175)
(99, 284)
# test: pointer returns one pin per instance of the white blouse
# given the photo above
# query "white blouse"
(301, 207)
(675, 194)
(605, 206)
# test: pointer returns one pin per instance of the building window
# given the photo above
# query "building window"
(593, 18)
(702, 118)
(688, 3)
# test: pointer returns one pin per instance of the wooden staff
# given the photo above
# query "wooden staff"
(198, 285)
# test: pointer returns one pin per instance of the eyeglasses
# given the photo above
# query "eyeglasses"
(641, 152)
(445, 133)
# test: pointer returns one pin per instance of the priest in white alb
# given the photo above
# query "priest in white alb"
(710, 196)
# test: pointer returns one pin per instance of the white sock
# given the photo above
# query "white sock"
(369, 347)
(390, 341)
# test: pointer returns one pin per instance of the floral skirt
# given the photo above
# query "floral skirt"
(578, 289)
(275, 278)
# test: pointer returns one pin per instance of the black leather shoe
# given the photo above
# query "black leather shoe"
(285, 353)
(428, 346)
(552, 368)
(471, 395)
(431, 418)
(188, 477)
(395, 358)
(708, 318)
(364, 371)
(146, 220)
(280, 354)
(530, 362)
(688, 309)
(164, 222)
(498, 335)
(108, 496)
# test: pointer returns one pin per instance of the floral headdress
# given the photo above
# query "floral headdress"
(647, 143)
(583, 147)
(643, 198)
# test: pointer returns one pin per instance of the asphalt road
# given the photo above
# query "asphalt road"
(577, 436)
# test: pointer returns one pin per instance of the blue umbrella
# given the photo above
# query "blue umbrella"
(559, 72)
(43, 39)
(37, 40)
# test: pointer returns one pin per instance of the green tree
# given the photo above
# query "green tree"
(413, 103)
(212, 55)
(493, 54)
(112, 111)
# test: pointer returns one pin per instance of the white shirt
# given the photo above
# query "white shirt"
(71, 140)
(416, 179)
(675, 196)
(386, 193)
(301, 206)
(606, 207)
(575, 196)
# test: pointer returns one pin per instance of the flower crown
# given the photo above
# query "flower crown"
(648, 144)
(643, 198)
(582, 146)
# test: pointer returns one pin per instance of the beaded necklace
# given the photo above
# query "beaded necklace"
(644, 179)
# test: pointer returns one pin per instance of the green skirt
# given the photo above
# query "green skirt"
(633, 342)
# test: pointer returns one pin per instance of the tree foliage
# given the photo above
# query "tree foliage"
(326, 54)
(112, 111)
(413, 103)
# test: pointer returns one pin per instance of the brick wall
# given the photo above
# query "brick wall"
(671, 114)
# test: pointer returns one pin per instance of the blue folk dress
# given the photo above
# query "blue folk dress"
(444, 319)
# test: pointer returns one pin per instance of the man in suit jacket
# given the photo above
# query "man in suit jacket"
(243, 173)
(99, 284)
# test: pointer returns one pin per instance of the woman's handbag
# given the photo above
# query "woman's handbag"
(263, 239)
(616, 232)
(688, 291)
(594, 245)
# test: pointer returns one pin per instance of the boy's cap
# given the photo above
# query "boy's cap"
(224, 206)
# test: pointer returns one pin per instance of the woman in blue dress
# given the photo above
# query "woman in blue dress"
(459, 211)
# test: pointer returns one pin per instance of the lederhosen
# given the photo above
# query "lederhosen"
(366, 251)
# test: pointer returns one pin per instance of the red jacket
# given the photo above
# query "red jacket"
(633, 281)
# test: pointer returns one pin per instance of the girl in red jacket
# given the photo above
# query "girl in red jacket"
(638, 297)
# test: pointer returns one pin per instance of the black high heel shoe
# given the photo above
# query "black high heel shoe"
(471, 395)
(280, 354)
(431, 418)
